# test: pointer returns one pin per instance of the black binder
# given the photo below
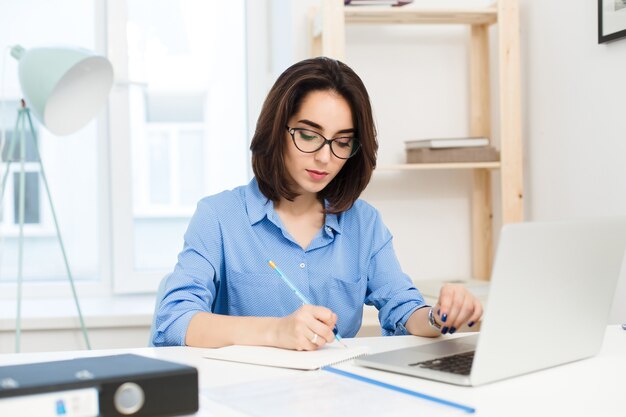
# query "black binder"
(127, 384)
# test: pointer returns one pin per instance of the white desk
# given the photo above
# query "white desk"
(591, 387)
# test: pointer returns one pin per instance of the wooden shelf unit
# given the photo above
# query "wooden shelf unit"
(447, 165)
(413, 15)
(327, 34)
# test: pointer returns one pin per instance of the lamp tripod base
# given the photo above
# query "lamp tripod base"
(19, 133)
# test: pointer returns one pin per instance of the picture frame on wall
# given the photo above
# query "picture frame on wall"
(611, 20)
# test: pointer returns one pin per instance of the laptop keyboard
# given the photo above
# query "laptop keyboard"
(460, 363)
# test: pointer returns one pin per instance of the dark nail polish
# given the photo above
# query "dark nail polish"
(452, 330)
(438, 312)
(444, 317)
(444, 330)
(470, 324)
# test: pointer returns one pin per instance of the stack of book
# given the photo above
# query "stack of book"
(468, 149)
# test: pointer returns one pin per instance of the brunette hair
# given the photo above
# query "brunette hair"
(283, 101)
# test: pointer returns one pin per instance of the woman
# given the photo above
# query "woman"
(313, 153)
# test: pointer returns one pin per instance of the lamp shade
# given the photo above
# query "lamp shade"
(64, 87)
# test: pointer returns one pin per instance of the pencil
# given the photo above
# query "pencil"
(301, 296)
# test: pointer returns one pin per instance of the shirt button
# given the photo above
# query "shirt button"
(328, 229)
(302, 265)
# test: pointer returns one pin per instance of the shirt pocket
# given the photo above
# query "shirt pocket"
(254, 294)
(345, 296)
(348, 282)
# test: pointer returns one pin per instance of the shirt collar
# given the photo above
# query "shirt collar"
(258, 207)
(332, 222)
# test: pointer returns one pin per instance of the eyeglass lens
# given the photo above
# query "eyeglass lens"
(310, 141)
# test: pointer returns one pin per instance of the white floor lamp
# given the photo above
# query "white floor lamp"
(63, 88)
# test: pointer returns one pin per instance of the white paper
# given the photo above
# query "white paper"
(321, 393)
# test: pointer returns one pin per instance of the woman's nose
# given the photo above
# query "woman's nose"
(324, 154)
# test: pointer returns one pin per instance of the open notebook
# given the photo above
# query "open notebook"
(283, 358)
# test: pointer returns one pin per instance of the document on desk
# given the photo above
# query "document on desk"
(284, 358)
(321, 393)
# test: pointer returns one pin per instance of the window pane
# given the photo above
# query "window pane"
(175, 108)
(159, 165)
(9, 116)
(71, 162)
(157, 242)
(31, 197)
(186, 63)
(191, 178)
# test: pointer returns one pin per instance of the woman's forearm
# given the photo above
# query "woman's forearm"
(418, 325)
(215, 330)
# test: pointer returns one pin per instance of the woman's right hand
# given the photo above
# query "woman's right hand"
(308, 328)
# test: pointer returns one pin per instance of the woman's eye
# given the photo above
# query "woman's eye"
(344, 142)
(307, 136)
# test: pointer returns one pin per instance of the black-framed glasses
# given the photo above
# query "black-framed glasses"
(309, 141)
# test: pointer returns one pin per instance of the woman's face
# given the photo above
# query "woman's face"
(326, 113)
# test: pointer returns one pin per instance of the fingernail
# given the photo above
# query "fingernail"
(452, 330)
(438, 312)
(444, 317)
(470, 324)
(444, 330)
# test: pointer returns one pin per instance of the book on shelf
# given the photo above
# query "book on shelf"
(465, 142)
(443, 155)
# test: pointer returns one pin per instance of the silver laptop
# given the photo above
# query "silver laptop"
(549, 301)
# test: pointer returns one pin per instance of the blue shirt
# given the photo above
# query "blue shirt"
(223, 267)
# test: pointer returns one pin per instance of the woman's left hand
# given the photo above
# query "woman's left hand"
(456, 306)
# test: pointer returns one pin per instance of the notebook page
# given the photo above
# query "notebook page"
(284, 358)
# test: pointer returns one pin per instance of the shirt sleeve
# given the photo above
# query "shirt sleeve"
(390, 290)
(191, 288)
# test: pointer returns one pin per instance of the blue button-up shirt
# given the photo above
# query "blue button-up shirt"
(223, 267)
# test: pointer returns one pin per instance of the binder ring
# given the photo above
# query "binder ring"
(129, 398)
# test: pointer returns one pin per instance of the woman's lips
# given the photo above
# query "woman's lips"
(316, 175)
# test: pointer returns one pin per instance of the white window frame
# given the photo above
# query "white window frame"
(61, 289)
(116, 269)
(146, 209)
(9, 228)
(126, 279)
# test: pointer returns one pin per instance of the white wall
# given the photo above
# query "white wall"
(574, 128)
(574, 123)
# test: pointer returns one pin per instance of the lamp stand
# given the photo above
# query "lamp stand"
(20, 127)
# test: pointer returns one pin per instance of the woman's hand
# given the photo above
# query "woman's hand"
(308, 328)
(456, 306)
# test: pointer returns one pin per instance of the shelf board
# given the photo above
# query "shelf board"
(447, 165)
(410, 14)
